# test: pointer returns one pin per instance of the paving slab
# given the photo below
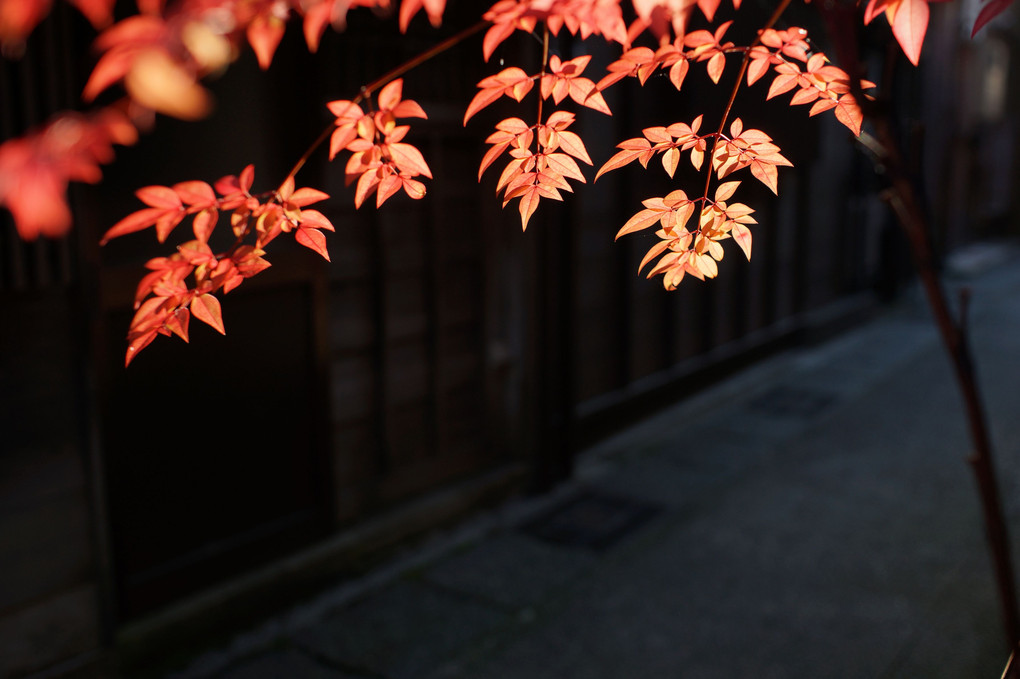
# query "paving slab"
(510, 569)
(286, 663)
(403, 632)
(814, 517)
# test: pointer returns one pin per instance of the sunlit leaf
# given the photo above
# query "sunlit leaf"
(206, 308)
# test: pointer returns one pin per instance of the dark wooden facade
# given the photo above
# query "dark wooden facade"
(441, 362)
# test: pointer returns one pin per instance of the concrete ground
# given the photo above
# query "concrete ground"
(813, 516)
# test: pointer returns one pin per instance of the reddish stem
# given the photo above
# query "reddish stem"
(382, 81)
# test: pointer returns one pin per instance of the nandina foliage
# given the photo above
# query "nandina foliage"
(159, 56)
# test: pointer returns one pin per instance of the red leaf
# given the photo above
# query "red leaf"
(204, 223)
(136, 346)
(742, 235)
(909, 26)
(264, 34)
(678, 72)
(413, 188)
(98, 12)
(565, 165)
(313, 239)
(849, 113)
(136, 221)
(307, 196)
(989, 12)
(494, 36)
(195, 193)
(528, 205)
(389, 96)
(572, 144)
(206, 308)
(177, 322)
(434, 9)
(159, 196)
(641, 220)
(490, 156)
(410, 160)
(715, 66)
(316, 219)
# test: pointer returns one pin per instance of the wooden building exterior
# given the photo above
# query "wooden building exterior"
(443, 361)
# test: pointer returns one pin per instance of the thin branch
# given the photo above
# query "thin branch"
(382, 81)
(736, 86)
(545, 62)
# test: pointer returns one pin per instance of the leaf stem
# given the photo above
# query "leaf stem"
(545, 62)
(736, 86)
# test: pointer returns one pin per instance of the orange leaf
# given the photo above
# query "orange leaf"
(480, 101)
(159, 196)
(725, 190)
(194, 193)
(177, 322)
(490, 157)
(388, 186)
(264, 34)
(413, 188)
(409, 160)
(565, 165)
(528, 205)
(136, 221)
(909, 26)
(641, 220)
(204, 223)
(654, 252)
(742, 235)
(312, 239)
(494, 36)
(572, 144)
(316, 219)
(670, 159)
(715, 66)
(389, 96)
(136, 345)
(206, 308)
(849, 113)
(678, 72)
(307, 196)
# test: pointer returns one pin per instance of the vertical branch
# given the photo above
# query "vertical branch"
(902, 198)
(736, 86)
(545, 62)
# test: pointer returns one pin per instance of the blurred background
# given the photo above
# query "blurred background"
(443, 362)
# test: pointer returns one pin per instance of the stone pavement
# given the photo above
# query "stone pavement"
(813, 516)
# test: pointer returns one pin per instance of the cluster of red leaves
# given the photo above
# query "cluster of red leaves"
(36, 168)
(161, 55)
(580, 17)
(661, 15)
(593, 17)
(788, 53)
(561, 79)
(541, 173)
(670, 141)
(184, 284)
(380, 161)
(19, 17)
(696, 252)
(166, 299)
(823, 85)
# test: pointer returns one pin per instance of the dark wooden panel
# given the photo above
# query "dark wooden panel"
(214, 449)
